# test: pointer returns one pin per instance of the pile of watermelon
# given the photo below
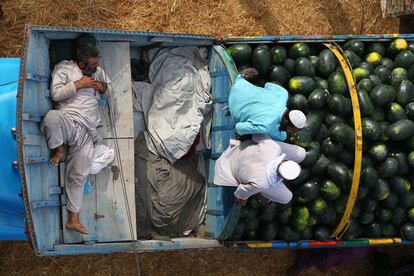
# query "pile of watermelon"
(384, 74)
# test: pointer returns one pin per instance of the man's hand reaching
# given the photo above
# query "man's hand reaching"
(85, 82)
(88, 82)
(100, 87)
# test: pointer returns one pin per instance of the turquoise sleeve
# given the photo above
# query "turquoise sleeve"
(276, 134)
(244, 128)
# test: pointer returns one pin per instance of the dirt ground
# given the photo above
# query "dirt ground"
(217, 17)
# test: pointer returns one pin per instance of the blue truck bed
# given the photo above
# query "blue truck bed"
(37, 181)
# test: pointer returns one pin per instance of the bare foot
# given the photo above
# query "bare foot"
(57, 155)
(77, 227)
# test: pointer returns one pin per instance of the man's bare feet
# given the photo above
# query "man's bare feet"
(74, 224)
(77, 227)
(57, 155)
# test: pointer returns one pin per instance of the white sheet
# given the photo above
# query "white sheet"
(177, 102)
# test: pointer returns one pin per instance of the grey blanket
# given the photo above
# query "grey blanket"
(169, 198)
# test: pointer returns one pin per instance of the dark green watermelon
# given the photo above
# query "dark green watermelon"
(371, 129)
(366, 85)
(321, 233)
(319, 168)
(380, 191)
(317, 99)
(388, 230)
(278, 54)
(388, 167)
(378, 152)
(340, 174)
(241, 53)
(404, 59)
(369, 176)
(318, 206)
(268, 232)
(304, 67)
(391, 201)
(298, 102)
(376, 47)
(399, 216)
(279, 75)
(356, 46)
(372, 230)
(286, 233)
(299, 49)
(330, 148)
(353, 58)
(383, 215)
(395, 113)
(382, 95)
(397, 76)
(405, 93)
(407, 231)
(366, 218)
(337, 83)
(299, 219)
(306, 192)
(339, 105)
(399, 185)
(365, 104)
(330, 190)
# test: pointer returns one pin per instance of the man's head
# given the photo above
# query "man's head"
(251, 75)
(87, 58)
(289, 170)
(293, 120)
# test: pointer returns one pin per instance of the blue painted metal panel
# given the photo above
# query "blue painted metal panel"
(144, 38)
(38, 177)
(11, 204)
(219, 199)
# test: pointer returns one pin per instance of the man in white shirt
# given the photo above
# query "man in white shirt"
(76, 88)
(259, 166)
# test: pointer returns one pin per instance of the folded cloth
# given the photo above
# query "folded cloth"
(102, 157)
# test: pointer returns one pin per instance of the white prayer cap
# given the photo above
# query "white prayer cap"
(289, 170)
(297, 118)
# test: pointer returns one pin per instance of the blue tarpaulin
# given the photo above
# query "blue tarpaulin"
(11, 204)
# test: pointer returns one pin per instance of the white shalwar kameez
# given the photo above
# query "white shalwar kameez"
(247, 165)
(74, 123)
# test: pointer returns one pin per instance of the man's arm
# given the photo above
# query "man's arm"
(244, 128)
(103, 83)
(61, 87)
(277, 134)
(244, 191)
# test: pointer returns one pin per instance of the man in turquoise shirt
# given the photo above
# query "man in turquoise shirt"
(258, 110)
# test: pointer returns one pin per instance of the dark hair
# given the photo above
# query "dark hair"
(245, 137)
(84, 52)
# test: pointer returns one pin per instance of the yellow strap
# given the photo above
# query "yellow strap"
(343, 225)
(259, 244)
(385, 241)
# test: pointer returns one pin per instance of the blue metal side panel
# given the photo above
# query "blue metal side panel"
(11, 205)
(40, 176)
(219, 199)
(144, 38)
